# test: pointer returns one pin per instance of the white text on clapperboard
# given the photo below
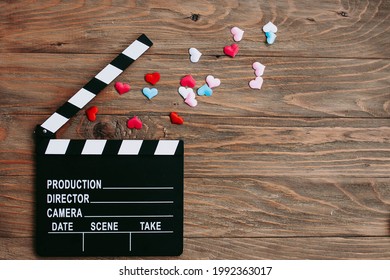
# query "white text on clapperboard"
(77, 198)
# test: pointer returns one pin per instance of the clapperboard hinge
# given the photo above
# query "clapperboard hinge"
(99, 197)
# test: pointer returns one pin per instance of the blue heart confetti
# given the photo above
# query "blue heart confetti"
(150, 93)
(205, 90)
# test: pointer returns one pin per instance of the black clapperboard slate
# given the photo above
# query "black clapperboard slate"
(107, 197)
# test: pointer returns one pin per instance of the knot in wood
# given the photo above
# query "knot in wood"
(343, 14)
(104, 130)
(195, 17)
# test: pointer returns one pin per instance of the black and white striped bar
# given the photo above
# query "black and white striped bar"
(111, 147)
(97, 84)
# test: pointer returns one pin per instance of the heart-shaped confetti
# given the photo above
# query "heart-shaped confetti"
(237, 33)
(134, 122)
(191, 100)
(122, 88)
(188, 81)
(270, 27)
(194, 55)
(175, 118)
(183, 91)
(150, 93)
(256, 83)
(259, 68)
(152, 78)
(212, 82)
(205, 90)
(270, 37)
(91, 113)
(231, 50)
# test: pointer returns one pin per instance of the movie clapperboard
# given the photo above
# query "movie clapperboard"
(107, 197)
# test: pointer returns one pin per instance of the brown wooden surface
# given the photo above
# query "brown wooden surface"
(297, 170)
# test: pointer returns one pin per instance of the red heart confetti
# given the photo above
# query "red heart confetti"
(188, 81)
(152, 78)
(91, 113)
(122, 88)
(134, 122)
(231, 50)
(175, 118)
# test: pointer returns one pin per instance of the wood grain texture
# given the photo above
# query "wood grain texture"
(334, 248)
(247, 207)
(293, 87)
(330, 28)
(298, 170)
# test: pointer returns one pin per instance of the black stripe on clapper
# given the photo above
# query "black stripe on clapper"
(112, 147)
(95, 86)
(68, 110)
(75, 147)
(148, 147)
(145, 40)
(122, 61)
(42, 146)
(180, 148)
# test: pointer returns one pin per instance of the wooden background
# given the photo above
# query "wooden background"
(297, 170)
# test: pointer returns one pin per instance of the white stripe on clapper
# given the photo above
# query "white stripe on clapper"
(166, 147)
(130, 147)
(94, 147)
(54, 122)
(108, 74)
(57, 147)
(81, 98)
(135, 50)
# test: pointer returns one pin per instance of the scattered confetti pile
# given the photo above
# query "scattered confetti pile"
(188, 83)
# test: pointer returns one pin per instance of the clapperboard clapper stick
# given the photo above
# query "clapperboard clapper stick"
(107, 197)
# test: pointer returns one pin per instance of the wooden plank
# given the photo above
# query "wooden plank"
(293, 87)
(229, 147)
(336, 248)
(322, 29)
(247, 207)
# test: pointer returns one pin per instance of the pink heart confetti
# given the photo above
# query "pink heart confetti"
(122, 88)
(256, 83)
(237, 33)
(190, 100)
(212, 82)
(259, 68)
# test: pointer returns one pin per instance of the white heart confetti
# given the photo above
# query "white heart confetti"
(270, 27)
(184, 92)
(194, 55)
